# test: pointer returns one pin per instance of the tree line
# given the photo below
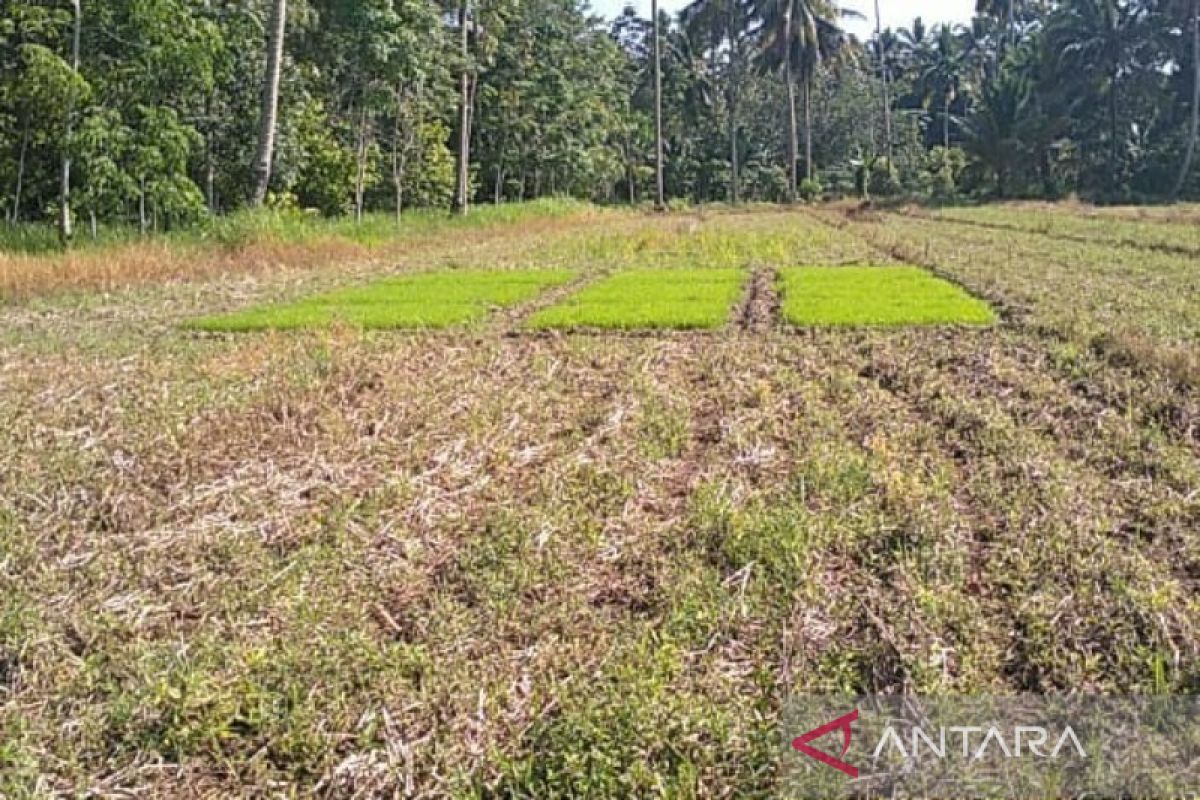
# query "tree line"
(159, 113)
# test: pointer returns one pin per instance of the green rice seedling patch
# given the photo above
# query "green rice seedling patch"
(425, 300)
(650, 298)
(876, 296)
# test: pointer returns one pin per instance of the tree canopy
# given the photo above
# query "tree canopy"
(159, 119)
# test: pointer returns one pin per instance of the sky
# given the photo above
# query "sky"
(895, 13)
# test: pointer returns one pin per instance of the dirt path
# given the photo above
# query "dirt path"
(759, 308)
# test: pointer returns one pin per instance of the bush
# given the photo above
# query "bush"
(810, 189)
(940, 171)
(883, 180)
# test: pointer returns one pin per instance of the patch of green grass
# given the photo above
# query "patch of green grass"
(884, 296)
(650, 298)
(427, 300)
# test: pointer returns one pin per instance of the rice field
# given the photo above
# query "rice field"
(527, 555)
(427, 300)
(886, 296)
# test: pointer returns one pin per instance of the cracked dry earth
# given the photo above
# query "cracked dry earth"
(476, 564)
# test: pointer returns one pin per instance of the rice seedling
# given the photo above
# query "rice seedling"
(428, 300)
(885, 296)
(650, 298)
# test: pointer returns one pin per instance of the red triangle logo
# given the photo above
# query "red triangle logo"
(842, 723)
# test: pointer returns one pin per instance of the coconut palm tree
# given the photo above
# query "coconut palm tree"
(942, 74)
(660, 201)
(1005, 12)
(269, 112)
(995, 128)
(1092, 38)
(794, 38)
(725, 23)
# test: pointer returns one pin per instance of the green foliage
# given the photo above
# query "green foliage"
(650, 298)
(431, 300)
(940, 172)
(1085, 96)
(810, 189)
(885, 296)
(432, 182)
(882, 178)
(325, 180)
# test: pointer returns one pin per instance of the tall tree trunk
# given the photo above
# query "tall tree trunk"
(498, 186)
(629, 176)
(65, 227)
(735, 194)
(269, 108)
(210, 180)
(398, 167)
(660, 199)
(734, 62)
(463, 164)
(886, 81)
(808, 132)
(143, 221)
(793, 134)
(1012, 22)
(946, 122)
(210, 167)
(360, 176)
(1112, 128)
(15, 214)
(397, 158)
(1194, 130)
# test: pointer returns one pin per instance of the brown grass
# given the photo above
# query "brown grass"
(158, 261)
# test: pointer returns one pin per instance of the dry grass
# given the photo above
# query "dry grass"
(347, 564)
(155, 261)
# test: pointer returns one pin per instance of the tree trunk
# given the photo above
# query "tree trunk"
(15, 214)
(143, 222)
(660, 199)
(1195, 124)
(946, 122)
(793, 134)
(398, 159)
(65, 227)
(463, 165)
(210, 167)
(808, 138)
(269, 109)
(885, 89)
(1112, 128)
(629, 176)
(734, 56)
(360, 177)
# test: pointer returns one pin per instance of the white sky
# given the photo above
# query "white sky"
(895, 13)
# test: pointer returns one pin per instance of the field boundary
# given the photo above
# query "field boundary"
(758, 310)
